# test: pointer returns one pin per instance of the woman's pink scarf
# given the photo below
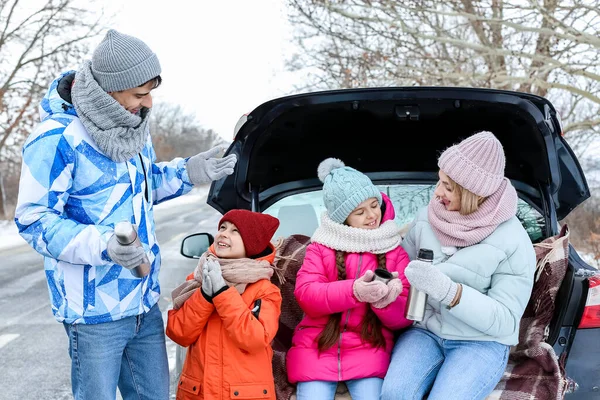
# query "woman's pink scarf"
(453, 229)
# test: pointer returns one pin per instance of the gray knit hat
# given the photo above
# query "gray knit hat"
(122, 62)
(344, 188)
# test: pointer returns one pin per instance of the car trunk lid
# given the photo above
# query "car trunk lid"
(395, 134)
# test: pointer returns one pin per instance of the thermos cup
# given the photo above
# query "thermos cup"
(382, 275)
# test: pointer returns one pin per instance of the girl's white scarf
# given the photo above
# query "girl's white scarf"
(357, 240)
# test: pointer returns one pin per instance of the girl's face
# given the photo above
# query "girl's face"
(228, 242)
(367, 215)
(448, 195)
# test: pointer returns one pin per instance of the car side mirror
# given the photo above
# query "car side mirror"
(195, 245)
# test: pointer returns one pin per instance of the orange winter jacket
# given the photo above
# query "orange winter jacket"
(229, 354)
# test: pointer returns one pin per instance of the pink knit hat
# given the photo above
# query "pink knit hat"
(477, 163)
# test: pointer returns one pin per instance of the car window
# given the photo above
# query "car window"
(301, 213)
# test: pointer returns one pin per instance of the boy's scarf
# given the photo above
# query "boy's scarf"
(119, 134)
(237, 273)
(453, 229)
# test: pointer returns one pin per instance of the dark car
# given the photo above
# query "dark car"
(395, 136)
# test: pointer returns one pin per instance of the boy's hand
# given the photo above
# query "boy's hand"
(215, 276)
(207, 286)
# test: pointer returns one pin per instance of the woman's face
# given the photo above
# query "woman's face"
(228, 242)
(367, 215)
(444, 192)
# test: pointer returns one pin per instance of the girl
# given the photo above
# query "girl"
(346, 333)
(479, 284)
(227, 312)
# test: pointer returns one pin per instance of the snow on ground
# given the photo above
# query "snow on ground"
(196, 195)
(9, 235)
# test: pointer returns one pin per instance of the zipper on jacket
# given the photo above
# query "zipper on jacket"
(346, 325)
(145, 177)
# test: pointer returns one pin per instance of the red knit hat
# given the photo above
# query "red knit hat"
(256, 229)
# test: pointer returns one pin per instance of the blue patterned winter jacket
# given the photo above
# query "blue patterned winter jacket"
(70, 197)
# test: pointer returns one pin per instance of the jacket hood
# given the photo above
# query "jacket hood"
(53, 102)
(389, 213)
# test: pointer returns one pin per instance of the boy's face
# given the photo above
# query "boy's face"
(134, 99)
(367, 215)
(228, 242)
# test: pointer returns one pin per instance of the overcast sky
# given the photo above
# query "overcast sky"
(220, 59)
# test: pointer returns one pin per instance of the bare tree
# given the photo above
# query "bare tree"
(38, 40)
(545, 47)
(177, 133)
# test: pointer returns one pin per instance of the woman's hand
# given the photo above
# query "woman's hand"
(429, 279)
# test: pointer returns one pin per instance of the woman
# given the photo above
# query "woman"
(478, 285)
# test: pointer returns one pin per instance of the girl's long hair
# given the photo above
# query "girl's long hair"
(371, 329)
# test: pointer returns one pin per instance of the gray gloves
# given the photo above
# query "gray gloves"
(212, 280)
(429, 279)
(126, 256)
(205, 168)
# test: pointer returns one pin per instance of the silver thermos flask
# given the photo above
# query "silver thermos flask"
(127, 236)
(417, 300)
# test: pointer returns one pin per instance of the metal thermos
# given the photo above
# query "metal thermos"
(127, 236)
(417, 300)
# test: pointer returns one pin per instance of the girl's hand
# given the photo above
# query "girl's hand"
(395, 288)
(366, 290)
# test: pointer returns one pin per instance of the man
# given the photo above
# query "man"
(87, 166)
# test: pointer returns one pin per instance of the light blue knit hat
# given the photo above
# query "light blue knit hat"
(344, 188)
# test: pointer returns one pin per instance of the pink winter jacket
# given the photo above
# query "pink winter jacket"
(320, 294)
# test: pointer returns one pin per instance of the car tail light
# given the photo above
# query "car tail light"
(591, 312)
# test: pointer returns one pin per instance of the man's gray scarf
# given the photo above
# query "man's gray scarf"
(118, 133)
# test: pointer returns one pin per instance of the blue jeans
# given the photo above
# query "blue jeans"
(130, 353)
(360, 389)
(448, 369)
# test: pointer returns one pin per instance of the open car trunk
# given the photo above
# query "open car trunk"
(396, 134)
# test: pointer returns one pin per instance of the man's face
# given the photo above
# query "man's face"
(134, 99)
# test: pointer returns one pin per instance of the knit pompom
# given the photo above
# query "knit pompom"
(328, 165)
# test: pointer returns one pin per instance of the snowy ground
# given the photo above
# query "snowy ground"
(9, 236)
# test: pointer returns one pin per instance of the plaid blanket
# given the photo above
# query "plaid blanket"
(534, 371)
